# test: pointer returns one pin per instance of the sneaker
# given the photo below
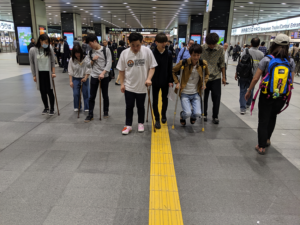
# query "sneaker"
(141, 127)
(89, 118)
(106, 115)
(45, 111)
(205, 118)
(157, 125)
(51, 113)
(243, 111)
(87, 110)
(164, 120)
(117, 83)
(248, 106)
(75, 110)
(64, 71)
(126, 130)
(215, 121)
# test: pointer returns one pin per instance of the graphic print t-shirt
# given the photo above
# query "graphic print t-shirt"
(136, 67)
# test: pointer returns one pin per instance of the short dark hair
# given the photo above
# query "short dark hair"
(161, 38)
(65, 37)
(135, 37)
(170, 42)
(212, 39)
(263, 43)
(75, 39)
(56, 40)
(61, 40)
(184, 44)
(31, 39)
(91, 38)
(297, 45)
(195, 48)
(77, 49)
(122, 43)
(255, 42)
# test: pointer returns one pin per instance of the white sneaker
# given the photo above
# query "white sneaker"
(87, 110)
(126, 130)
(141, 127)
(75, 110)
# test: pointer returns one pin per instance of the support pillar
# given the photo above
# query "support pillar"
(230, 21)
(205, 27)
(188, 29)
(103, 31)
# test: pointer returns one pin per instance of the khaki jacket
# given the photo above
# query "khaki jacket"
(188, 68)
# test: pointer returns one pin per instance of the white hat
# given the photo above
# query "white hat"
(282, 39)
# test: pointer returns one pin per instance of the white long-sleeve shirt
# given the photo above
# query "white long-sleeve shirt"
(77, 69)
(99, 65)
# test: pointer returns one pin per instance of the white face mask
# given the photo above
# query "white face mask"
(45, 46)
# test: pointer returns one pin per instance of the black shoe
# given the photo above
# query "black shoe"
(61, 66)
(117, 83)
(89, 118)
(227, 83)
(157, 125)
(205, 118)
(215, 120)
(51, 113)
(64, 71)
(106, 115)
(164, 120)
(45, 111)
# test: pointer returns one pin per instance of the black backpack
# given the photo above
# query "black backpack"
(297, 57)
(104, 53)
(244, 67)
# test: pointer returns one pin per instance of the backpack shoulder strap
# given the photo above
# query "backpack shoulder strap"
(184, 62)
(182, 54)
(104, 53)
(90, 54)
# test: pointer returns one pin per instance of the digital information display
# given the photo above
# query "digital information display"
(99, 38)
(42, 30)
(70, 39)
(181, 41)
(196, 37)
(221, 34)
(24, 36)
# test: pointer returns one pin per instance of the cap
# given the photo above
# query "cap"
(282, 39)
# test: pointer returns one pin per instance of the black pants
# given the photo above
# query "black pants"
(64, 61)
(130, 99)
(58, 56)
(215, 88)
(268, 108)
(45, 89)
(225, 71)
(93, 93)
(155, 93)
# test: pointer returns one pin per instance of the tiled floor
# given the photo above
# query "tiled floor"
(60, 170)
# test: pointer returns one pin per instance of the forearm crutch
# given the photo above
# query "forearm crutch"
(79, 100)
(148, 109)
(181, 70)
(149, 103)
(55, 96)
(100, 97)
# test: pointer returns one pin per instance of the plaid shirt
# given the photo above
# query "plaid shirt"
(215, 60)
(263, 49)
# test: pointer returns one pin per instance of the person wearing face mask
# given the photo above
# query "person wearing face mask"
(42, 63)
(79, 75)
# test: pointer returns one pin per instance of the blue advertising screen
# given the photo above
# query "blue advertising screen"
(221, 34)
(24, 36)
(196, 37)
(181, 40)
(70, 39)
(99, 38)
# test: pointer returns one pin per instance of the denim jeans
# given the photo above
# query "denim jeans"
(85, 93)
(244, 85)
(190, 100)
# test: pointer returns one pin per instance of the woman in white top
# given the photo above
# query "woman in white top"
(42, 63)
(79, 75)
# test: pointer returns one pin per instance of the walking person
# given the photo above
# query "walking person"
(99, 60)
(213, 54)
(252, 63)
(162, 78)
(226, 53)
(79, 76)
(268, 106)
(297, 61)
(66, 53)
(42, 63)
(120, 49)
(191, 85)
(136, 68)
(263, 48)
(32, 44)
(184, 52)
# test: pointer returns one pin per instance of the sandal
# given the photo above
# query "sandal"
(192, 120)
(260, 151)
(182, 121)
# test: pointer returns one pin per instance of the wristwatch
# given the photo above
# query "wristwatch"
(248, 90)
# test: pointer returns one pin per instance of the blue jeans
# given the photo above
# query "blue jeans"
(190, 100)
(244, 85)
(85, 93)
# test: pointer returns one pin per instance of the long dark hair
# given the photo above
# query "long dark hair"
(44, 37)
(77, 49)
(280, 51)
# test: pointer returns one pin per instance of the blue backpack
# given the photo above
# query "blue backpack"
(277, 82)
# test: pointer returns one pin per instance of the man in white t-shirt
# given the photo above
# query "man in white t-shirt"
(136, 68)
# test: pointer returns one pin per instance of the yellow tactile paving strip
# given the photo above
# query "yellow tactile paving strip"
(164, 206)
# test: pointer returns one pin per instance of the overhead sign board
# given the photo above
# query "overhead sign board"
(280, 25)
(6, 26)
(209, 4)
(132, 29)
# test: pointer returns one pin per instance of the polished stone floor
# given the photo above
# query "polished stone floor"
(60, 170)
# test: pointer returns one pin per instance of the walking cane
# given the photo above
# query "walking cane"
(148, 109)
(55, 96)
(149, 103)
(100, 96)
(181, 70)
(79, 100)
(203, 85)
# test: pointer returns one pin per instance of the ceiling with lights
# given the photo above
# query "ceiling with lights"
(155, 13)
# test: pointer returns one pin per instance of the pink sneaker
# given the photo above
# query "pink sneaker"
(126, 130)
(141, 128)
